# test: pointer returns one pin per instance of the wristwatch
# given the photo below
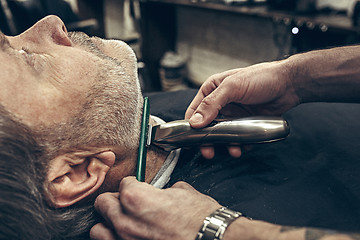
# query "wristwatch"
(216, 223)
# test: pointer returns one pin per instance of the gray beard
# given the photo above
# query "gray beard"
(110, 115)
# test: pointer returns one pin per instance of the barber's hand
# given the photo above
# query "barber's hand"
(141, 211)
(261, 89)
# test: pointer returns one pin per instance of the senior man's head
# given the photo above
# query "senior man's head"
(81, 99)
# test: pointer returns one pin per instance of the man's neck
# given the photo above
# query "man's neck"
(155, 157)
(154, 161)
(126, 164)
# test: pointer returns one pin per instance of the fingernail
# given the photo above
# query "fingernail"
(197, 117)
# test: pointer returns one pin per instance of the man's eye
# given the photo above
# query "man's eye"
(28, 56)
(24, 51)
(35, 60)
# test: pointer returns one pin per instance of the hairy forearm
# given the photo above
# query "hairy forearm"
(331, 75)
(257, 230)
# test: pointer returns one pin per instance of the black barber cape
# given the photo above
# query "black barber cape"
(310, 179)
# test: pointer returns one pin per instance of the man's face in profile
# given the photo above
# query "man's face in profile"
(52, 78)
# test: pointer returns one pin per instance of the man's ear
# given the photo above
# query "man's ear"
(73, 178)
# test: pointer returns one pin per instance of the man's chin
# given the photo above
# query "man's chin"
(120, 52)
(116, 49)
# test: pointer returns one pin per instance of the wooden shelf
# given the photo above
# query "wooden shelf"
(325, 22)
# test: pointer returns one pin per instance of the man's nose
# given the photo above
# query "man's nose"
(50, 29)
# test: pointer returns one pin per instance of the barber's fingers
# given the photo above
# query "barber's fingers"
(210, 99)
(209, 107)
(206, 88)
(235, 151)
(106, 201)
(209, 152)
(101, 232)
(146, 212)
(184, 185)
(135, 195)
(108, 205)
(122, 223)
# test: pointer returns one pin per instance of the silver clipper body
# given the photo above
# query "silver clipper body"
(177, 134)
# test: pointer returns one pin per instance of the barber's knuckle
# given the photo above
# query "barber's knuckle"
(214, 77)
(229, 84)
(121, 185)
(101, 200)
(182, 185)
(127, 195)
(119, 227)
(210, 84)
(211, 101)
(125, 186)
(131, 199)
(208, 101)
(124, 182)
(208, 81)
(124, 229)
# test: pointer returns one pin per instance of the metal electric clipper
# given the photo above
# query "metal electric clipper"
(177, 134)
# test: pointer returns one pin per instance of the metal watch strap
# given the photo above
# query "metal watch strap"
(216, 223)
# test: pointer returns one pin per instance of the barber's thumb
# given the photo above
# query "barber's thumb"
(196, 119)
(202, 118)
